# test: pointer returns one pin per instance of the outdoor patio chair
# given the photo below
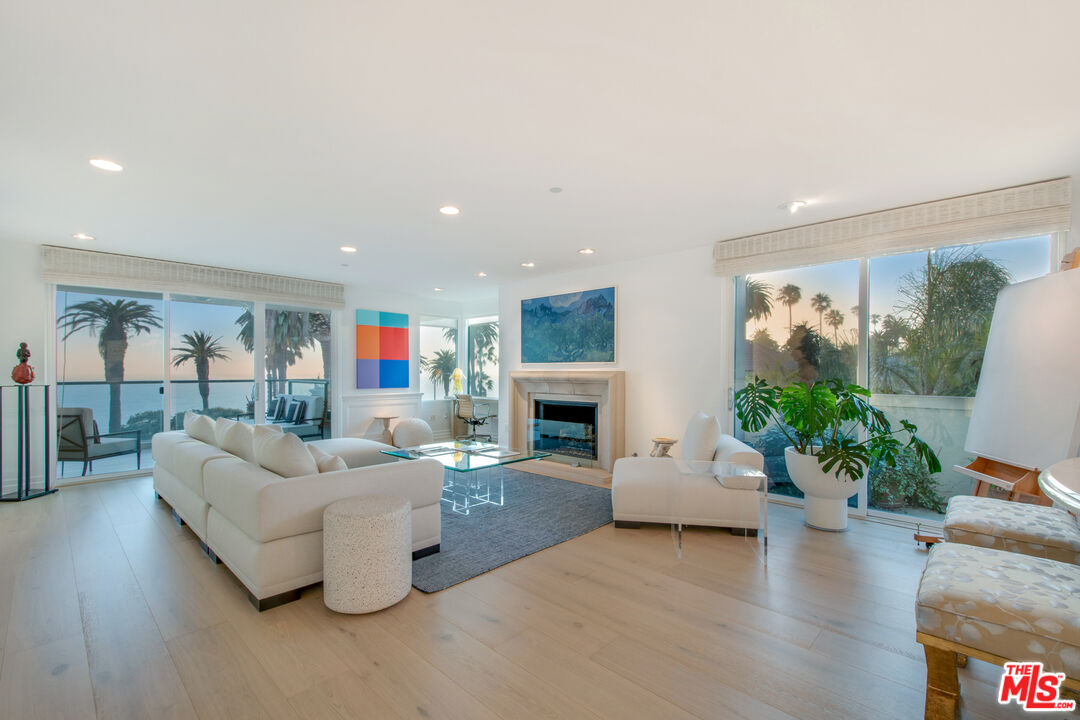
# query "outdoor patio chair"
(78, 439)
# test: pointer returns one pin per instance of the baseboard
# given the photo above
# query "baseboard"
(424, 552)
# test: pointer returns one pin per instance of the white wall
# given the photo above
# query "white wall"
(27, 305)
(364, 298)
(670, 321)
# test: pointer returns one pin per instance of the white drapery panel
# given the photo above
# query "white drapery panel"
(71, 266)
(1021, 211)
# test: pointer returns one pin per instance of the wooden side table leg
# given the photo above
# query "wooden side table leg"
(942, 684)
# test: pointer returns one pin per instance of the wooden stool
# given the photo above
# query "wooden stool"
(998, 607)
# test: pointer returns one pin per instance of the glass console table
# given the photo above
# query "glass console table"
(731, 475)
(473, 471)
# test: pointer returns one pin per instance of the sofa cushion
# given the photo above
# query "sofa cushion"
(199, 427)
(188, 462)
(1015, 606)
(268, 507)
(262, 434)
(238, 441)
(162, 445)
(699, 440)
(221, 426)
(285, 455)
(356, 452)
(326, 462)
(1016, 527)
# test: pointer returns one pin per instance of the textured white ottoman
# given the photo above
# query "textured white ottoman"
(367, 553)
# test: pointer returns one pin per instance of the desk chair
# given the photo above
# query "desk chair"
(466, 410)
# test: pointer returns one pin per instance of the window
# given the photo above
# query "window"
(927, 321)
(212, 363)
(484, 357)
(298, 361)
(795, 325)
(438, 355)
(109, 379)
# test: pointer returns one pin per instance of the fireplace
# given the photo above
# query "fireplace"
(604, 389)
(566, 429)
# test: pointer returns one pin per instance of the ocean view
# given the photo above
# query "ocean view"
(138, 398)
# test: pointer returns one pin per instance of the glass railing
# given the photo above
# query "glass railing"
(123, 419)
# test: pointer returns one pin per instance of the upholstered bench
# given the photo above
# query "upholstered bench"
(995, 606)
(1017, 527)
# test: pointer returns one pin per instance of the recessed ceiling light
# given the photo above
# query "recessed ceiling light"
(555, 190)
(481, 274)
(347, 248)
(794, 206)
(586, 251)
(528, 263)
(82, 236)
(106, 164)
(437, 289)
(449, 210)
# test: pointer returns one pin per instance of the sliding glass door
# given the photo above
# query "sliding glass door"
(212, 369)
(925, 318)
(109, 379)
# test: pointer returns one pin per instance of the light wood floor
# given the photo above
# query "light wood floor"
(107, 608)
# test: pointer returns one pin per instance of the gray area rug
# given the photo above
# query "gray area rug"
(537, 512)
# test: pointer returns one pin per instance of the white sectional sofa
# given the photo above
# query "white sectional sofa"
(643, 489)
(267, 528)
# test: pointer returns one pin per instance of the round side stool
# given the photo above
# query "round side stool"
(367, 553)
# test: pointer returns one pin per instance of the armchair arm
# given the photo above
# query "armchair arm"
(136, 433)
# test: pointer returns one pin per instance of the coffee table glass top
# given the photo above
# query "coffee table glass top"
(466, 456)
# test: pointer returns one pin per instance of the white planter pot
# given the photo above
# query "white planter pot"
(825, 505)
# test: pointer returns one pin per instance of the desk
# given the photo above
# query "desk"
(1061, 483)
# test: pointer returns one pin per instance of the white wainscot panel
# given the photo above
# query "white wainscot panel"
(360, 413)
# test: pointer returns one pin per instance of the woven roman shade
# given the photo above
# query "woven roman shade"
(1021, 211)
(71, 266)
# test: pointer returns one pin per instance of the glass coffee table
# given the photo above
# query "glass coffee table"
(472, 471)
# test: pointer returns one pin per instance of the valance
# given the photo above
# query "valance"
(1022, 211)
(72, 266)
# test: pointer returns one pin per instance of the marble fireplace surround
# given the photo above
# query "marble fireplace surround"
(607, 388)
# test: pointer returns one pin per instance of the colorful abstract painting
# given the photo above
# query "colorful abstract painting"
(382, 349)
(573, 327)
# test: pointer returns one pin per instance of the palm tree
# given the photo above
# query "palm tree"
(835, 319)
(874, 320)
(758, 300)
(200, 348)
(820, 302)
(790, 295)
(320, 333)
(484, 342)
(288, 332)
(113, 322)
(440, 369)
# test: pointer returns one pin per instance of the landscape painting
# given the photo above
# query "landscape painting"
(569, 328)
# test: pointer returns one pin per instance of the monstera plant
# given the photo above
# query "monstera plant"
(835, 434)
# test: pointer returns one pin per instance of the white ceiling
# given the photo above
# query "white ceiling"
(263, 135)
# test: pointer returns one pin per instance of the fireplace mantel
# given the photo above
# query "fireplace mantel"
(607, 387)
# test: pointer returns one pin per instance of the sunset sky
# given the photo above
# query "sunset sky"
(78, 358)
(1026, 258)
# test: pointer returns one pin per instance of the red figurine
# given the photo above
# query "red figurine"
(23, 373)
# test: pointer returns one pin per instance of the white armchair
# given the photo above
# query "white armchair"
(656, 490)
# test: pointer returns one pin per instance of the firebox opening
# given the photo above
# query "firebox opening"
(566, 429)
